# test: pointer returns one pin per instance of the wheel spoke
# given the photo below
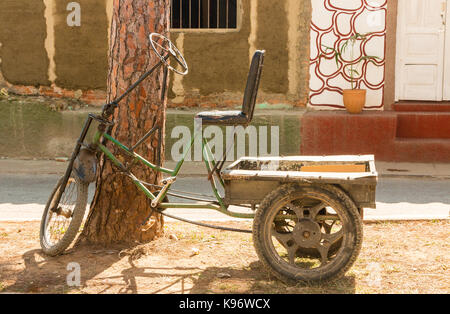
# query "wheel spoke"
(297, 210)
(323, 251)
(164, 49)
(283, 238)
(333, 237)
(328, 227)
(292, 251)
(288, 242)
(316, 209)
(171, 50)
(57, 223)
(327, 240)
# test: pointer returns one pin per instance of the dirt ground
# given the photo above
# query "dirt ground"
(406, 257)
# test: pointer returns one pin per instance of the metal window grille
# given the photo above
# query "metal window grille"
(201, 14)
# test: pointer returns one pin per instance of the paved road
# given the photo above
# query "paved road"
(23, 197)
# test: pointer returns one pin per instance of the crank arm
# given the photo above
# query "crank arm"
(167, 183)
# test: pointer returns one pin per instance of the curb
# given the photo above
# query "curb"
(414, 176)
(399, 220)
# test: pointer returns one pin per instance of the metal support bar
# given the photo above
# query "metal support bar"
(163, 91)
(206, 225)
(146, 136)
(191, 198)
(219, 165)
(139, 81)
(195, 222)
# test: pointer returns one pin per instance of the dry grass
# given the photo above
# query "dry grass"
(407, 257)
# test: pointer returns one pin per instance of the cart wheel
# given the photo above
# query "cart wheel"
(307, 233)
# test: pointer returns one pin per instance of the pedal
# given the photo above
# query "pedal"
(170, 180)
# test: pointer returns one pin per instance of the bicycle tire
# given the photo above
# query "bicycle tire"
(74, 225)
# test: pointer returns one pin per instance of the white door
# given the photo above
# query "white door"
(421, 50)
(446, 87)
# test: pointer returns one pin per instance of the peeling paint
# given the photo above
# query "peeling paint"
(22, 34)
(109, 15)
(75, 58)
(253, 28)
(177, 87)
(50, 39)
(293, 9)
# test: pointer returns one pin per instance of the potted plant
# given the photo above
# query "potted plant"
(354, 98)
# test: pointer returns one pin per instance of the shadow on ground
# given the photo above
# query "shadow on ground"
(103, 271)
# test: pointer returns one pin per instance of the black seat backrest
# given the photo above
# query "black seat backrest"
(251, 90)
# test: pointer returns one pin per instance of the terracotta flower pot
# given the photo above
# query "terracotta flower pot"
(355, 100)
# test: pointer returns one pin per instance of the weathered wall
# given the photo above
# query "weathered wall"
(219, 61)
(272, 35)
(299, 17)
(40, 49)
(81, 53)
(22, 35)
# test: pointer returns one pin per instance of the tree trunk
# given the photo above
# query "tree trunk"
(119, 207)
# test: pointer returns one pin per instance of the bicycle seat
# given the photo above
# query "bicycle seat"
(244, 116)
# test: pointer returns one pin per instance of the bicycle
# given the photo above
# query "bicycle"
(301, 210)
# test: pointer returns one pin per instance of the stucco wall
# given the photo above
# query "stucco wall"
(81, 53)
(22, 36)
(272, 35)
(219, 61)
(40, 49)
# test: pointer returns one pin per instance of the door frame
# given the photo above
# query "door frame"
(399, 47)
(446, 80)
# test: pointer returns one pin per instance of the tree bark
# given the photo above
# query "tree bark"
(119, 207)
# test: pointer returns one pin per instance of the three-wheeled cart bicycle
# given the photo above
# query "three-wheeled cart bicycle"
(306, 211)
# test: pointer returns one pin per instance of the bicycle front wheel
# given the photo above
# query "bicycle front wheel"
(59, 228)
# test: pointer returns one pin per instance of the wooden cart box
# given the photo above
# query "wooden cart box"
(249, 180)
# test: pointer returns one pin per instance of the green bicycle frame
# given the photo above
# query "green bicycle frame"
(209, 162)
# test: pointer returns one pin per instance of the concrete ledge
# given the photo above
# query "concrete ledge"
(423, 125)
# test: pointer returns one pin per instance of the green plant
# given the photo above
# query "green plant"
(354, 62)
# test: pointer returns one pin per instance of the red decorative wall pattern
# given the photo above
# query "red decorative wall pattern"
(333, 22)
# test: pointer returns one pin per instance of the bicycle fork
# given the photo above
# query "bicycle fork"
(76, 151)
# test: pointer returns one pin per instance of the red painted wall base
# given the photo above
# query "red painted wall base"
(390, 136)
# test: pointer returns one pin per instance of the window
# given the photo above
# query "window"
(204, 14)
